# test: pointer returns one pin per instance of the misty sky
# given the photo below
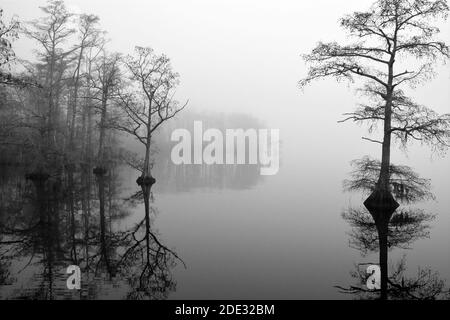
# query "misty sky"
(232, 55)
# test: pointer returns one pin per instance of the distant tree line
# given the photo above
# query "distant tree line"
(63, 109)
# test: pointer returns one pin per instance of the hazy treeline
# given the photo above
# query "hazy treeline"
(60, 119)
(65, 107)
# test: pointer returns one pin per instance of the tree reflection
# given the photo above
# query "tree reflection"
(146, 260)
(183, 178)
(47, 224)
(405, 227)
(381, 226)
(424, 285)
(32, 235)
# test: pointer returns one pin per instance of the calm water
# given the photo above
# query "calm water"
(241, 236)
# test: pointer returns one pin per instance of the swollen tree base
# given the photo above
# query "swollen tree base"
(99, 171)
(37, 176)
(381, 205)
(146, 181)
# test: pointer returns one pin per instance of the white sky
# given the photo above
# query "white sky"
(233, 54)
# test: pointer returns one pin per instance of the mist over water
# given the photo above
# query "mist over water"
(241, 235)
(244, 236)
(284, 236)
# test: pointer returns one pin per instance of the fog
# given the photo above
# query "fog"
(283, 237)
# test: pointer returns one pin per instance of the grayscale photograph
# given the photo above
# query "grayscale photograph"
(243, 152)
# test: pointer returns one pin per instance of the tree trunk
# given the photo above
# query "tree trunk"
(73, 230)
(89, 132)
(146, 190)
(85, 206)
(101, 145)
(103, 238)
(146, 172)
(383, 243)
(383, 203)
(75, 101)
(383, 182)
(50, 85)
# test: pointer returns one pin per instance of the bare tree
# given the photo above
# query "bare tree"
(106, 80)
(147, 105)
(151, 103)
(89, 36)
(51, 32)
(91, 101)
(8, 33)
(391, 32)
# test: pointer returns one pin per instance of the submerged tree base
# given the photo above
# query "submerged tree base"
(37, 176)
(99, 171)
(146, 181)
(381, 204)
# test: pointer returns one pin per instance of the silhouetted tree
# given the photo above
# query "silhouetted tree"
(8, 33)
(51, 32)
(89, 36)
(107, 79)
(391, 32)
(78, 93)
(150, 101)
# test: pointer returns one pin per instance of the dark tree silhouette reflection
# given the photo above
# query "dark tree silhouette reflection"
(372, 232)
(405, 227)
(146, 260)
(33, 236)
(47, 224)
(424, 285)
